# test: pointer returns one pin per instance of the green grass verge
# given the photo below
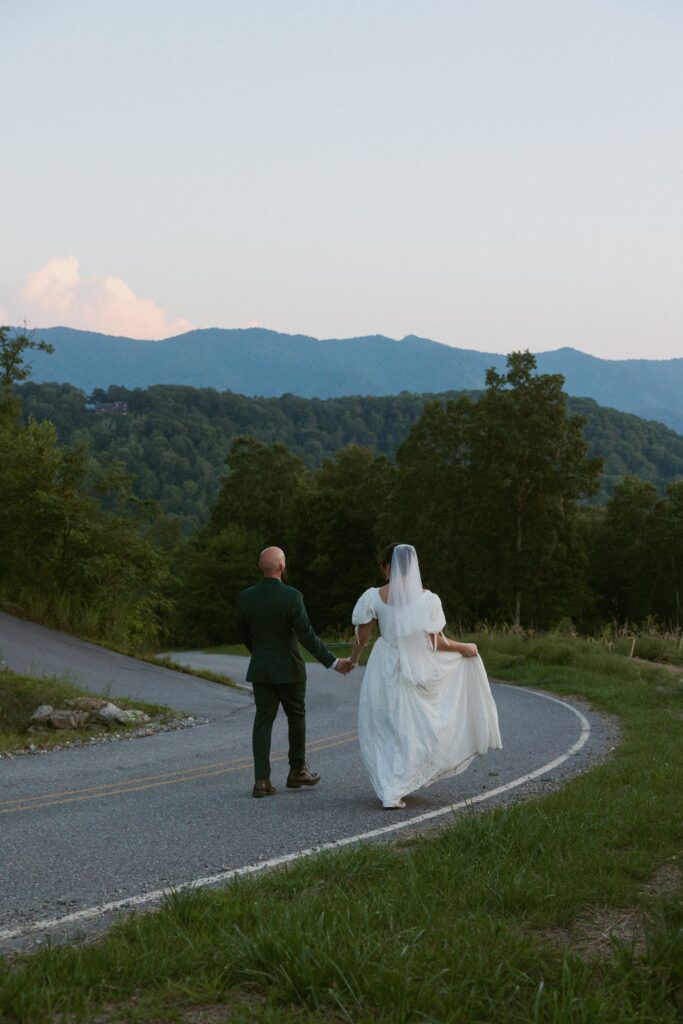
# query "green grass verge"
(201, 673)
(504, 916)
(21, 695)
(340, 650)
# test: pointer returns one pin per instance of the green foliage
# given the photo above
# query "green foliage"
(637, 554)
(211, 571)
(326, 522)
(494, 490)
(338, 540)
(489, 490)
(66, 559)
(173, 439)
(13, 369)
(20, 696)
(260, 490)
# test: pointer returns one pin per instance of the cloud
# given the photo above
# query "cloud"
(96, 303)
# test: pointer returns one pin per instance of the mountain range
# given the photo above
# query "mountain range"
(255, 361)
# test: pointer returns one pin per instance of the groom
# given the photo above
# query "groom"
(271, 618)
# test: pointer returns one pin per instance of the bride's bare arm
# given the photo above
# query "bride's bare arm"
(363, 634)
(442, 643)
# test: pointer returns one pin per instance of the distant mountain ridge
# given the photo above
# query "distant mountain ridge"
(256, 361)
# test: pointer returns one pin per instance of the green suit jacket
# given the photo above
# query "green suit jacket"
(271, 618)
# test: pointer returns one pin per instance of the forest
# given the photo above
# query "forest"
(173, 440)
(496, 490)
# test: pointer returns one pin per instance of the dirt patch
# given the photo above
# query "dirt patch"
(237, 1009)
(594, 935)
(218, 1013)
(666, 881)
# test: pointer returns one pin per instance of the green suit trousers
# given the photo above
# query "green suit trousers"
(268, 698)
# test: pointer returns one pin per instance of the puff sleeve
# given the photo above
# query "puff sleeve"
(364, 610)
(436, 620)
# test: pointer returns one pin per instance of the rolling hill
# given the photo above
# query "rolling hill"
(266, 363)
(173, 439)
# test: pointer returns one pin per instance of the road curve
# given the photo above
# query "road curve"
(88, 831)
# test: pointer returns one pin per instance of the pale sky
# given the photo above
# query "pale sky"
(492, 174)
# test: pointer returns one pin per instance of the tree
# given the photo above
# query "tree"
(13, 369)
(432, 506)
(212, 570)
(637, 554)
(530, 466)
(488, 491)
(335, 551)
(259, 491)
(66, 558)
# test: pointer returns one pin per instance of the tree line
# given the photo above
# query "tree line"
(494, 490)
(173, 439)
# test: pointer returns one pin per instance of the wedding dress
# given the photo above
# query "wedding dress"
(424, 714)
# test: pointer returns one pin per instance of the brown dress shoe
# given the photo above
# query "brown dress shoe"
(303, 776)
(263, 787)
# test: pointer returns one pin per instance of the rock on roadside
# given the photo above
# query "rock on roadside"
(84, 713)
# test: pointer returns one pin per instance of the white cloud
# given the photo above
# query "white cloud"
(96, 303)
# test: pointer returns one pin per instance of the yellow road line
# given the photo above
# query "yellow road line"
(104, 786)
(125, 788)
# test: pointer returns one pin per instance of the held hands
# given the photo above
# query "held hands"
(344, 666)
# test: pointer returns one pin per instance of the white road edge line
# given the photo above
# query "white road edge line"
(250, 869)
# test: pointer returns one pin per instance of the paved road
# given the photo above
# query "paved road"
(91, 826)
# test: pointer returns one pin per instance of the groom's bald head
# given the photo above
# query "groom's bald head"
(272, 562)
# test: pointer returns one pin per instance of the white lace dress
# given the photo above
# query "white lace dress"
(414, 734)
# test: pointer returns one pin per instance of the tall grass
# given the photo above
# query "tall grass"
(111, 619)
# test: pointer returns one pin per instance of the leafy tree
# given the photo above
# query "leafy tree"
(432, 506)
(529, 467)
(259, 491)
(173, 440)
(669, 600)
(213, 569)
(489, 491)
(13, 369)
(66, 558)
(337, 544)
(637, 554)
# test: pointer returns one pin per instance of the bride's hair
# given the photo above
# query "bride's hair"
(387, 554)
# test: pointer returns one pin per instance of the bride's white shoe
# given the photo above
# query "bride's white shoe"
(396, 805)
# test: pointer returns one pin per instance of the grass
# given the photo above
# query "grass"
(339, 649)
(501, 917)
(20, 696)
(201, 673)
(665, 650)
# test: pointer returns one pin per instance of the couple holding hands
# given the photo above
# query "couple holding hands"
(426, 708)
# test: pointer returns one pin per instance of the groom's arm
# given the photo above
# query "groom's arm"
(307, 636)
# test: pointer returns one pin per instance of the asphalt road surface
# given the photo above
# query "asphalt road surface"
(89, 832)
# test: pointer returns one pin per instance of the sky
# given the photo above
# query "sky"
(491, 174)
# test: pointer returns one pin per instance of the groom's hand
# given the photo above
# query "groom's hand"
(343, 666)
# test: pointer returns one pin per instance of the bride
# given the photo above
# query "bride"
(426, 707)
